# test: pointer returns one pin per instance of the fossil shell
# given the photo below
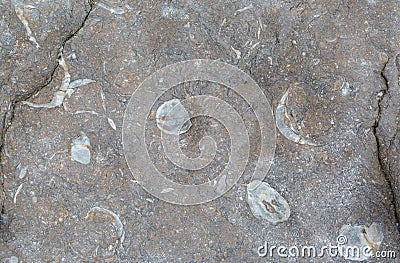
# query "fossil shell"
(266, 203)
(19, 10)
(80, 150)
(172, 117)
(23, 172)
(359, 243)
(287, 131)
(57, 101)
(67, 87)
(112, 124)
(119, 227)
(116, 11)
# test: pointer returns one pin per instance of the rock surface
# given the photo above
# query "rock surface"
(315, 47)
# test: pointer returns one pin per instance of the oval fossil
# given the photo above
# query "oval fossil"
(266, 203)
(173, 118)
(359, 242)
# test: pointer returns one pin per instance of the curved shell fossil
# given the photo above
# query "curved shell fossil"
(285, 129)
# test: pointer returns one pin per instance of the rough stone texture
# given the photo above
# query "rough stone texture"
(388, 126)
(316, 43)
(24, 68)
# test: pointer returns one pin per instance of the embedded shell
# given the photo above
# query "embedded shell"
(286, 131)
(173, 118)
(266, 203)
(367, 239)
(80, 150)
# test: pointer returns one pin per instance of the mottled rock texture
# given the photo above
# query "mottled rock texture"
(311, 46)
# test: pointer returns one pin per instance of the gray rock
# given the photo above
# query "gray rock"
(313, 47)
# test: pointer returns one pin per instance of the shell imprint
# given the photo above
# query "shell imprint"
(119, 227)
(19, 10)
(112, 10)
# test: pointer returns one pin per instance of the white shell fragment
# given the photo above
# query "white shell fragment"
(266, 203)
(237, 52)
(173, 118)
(57, 101)
(103, 104)
(112, 124)
(79, 82)
(17, 192)
(109, 120)
(12, 259)
(244, 9)
(23, 172)
(80, 150)
(19, 10)
(66, 88)
(103, 100)
(116, 11)
(359, 243)
(167, 190)
(285, 130)
(119, 227)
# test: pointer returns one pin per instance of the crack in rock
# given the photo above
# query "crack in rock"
(9, 116)
(378, 139)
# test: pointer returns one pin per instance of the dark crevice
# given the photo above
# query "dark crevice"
(9, 116)
(384, 171)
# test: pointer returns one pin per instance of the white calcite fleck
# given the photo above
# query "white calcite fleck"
(23, 172)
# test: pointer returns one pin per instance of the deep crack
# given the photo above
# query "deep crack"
(378, 144)
(9, 116)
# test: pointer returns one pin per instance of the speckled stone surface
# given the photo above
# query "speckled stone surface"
(312, 47)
